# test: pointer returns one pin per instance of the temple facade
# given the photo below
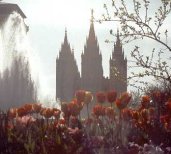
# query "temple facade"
(68, 78)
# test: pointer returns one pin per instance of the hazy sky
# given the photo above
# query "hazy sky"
(47, 20)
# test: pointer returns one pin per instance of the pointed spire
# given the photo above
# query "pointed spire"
(65, 38)
(118, 39)
(117, 33)
(91, 31)
(92, 16)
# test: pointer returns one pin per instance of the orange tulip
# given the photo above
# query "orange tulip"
(37, 107)
(21, 111)
(28, 108)
(47, 112)
(135, 115)
(124, 99)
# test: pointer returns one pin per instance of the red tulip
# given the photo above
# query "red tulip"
(101, 97)
(135, 115)
(145, 100)
(98, 110)
(73, 108)
(111, 96)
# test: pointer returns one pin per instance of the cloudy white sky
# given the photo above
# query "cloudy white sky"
(47, 20)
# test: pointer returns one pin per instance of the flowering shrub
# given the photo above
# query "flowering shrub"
(111, 126)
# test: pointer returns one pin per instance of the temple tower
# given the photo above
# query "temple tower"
(118, 68)
(91, 66)
(67, 75)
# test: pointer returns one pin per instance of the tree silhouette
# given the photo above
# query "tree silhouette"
(140, 23)
(16, 85)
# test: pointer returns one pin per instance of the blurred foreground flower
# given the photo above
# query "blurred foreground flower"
(28, 108)
(21, 111)
(25, 120)
(12, 113)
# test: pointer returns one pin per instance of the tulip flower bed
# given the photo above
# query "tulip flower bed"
(111, 127)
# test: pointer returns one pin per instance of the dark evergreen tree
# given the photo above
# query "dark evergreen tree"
(16, 84)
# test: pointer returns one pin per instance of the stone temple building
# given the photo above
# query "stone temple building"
(68, 78)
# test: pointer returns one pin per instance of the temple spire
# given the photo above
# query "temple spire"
(91, 31)
(65, 38)
(117, 33)
(118, 42)
(92, 16)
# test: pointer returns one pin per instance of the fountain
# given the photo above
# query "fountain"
(12, 32)
(16, 84)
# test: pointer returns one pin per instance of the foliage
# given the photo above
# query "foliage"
(138, 21)
(33, 128)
